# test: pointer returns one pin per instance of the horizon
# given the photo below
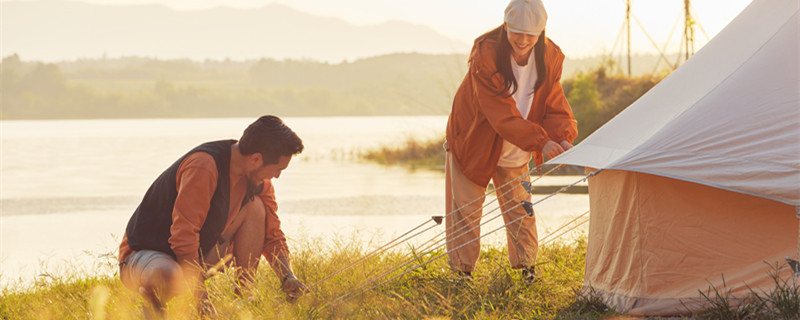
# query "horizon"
(566, 25)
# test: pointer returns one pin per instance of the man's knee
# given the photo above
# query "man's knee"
(153, 274)
(163, 277)
(162, 271)
(254, 212)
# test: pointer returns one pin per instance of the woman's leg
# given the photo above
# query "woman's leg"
(523, 240)
(463, 231)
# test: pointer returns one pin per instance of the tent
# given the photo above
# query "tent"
(698, 182)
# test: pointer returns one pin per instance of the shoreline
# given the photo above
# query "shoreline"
(101, 231)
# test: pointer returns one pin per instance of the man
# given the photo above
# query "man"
(216, 201)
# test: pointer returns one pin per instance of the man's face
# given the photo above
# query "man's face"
(269, 171)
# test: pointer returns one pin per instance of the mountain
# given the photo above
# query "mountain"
(56, 30)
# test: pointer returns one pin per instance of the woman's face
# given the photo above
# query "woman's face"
(521, 43)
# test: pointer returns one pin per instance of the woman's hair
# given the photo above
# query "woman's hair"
(503, 62)
(270, 137)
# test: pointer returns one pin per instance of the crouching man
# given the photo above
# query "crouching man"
(216, 201)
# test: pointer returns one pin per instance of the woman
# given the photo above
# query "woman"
(510, 107)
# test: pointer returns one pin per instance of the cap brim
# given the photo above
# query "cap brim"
(515, 30)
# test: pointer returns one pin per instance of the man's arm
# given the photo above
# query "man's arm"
(275, 249)
(196, 181)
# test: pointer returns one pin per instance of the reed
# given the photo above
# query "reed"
(413, 154)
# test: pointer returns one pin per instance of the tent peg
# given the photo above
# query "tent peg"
(794, 264)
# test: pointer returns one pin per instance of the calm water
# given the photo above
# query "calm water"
(68, 187)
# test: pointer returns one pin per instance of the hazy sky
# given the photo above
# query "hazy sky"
(580, 27)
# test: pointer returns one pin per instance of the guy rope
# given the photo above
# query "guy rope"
(438, 220)
(430, 245)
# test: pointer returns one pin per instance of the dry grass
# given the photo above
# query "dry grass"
(428, 292)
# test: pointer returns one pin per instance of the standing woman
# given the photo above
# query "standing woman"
(510, 107)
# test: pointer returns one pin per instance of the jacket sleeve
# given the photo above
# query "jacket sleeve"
(501, 111)
(274, 238)
(559, 122)
(196, 182)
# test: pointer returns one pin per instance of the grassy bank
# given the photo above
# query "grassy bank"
(429, 155)
(413, 153)
(497, 292)
(429, 292)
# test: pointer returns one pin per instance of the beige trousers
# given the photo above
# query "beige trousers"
(463, 231)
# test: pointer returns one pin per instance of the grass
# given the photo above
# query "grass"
(429, 155)
(413, 153)
(781, 303)
(428, 292)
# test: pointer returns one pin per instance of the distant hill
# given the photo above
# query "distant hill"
(65, 30)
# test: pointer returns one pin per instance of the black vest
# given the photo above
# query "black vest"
(149, 226)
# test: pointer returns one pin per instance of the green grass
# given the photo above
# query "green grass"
(428, 292)
(413, 154)
(781, 303)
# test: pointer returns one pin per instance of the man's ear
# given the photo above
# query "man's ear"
(255, 160)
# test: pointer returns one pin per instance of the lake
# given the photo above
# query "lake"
(68, 187)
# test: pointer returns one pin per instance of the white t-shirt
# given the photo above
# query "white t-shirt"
(512, 156)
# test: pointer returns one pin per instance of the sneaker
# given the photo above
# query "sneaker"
(207, 310)
(464, 275)
(149, 312)
(529, 275)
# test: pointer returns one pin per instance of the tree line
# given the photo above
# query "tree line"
(397, 84)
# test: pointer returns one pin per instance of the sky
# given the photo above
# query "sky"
(580, 27)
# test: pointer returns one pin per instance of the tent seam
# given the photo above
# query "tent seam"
(711, 155)
(641, 235)
(788, 202)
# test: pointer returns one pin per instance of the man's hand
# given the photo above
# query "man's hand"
(552, 149)
(293, 288)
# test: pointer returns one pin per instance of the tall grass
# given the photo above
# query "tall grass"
(413, 153)
(429, 292)
(783, 302)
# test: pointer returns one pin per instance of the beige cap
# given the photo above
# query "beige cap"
(526, 16)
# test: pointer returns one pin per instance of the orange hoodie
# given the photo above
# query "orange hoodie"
(481, 119)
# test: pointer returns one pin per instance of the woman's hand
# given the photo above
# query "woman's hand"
(566, 145)
(552, 149)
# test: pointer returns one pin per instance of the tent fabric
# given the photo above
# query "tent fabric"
(729, 117)
(663, 241)
(699, 181)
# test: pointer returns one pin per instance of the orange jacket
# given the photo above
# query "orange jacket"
(196, 182)
(481, 119)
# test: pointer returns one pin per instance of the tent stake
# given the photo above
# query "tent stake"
(796, 265)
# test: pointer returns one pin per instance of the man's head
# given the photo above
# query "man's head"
(273, 141)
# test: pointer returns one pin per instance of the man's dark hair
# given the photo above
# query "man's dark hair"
(270, 137)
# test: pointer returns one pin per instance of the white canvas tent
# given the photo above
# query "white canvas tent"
(700, 177)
